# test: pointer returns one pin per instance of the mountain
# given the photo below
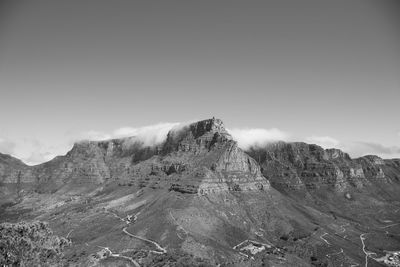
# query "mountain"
(198, 194)
(308, 167)
(203, 152)
(10, 168)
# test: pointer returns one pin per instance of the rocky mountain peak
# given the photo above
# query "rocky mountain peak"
(334, 153)
(208, 126)
(374, 159)
(197, 136)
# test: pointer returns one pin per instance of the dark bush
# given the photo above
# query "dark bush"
(30, 244)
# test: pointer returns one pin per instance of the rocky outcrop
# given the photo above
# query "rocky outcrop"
(11, 169)
(15, 178)
(212, 159)
(196, 137)
(88, 162)
(306, 166)
(200, 157)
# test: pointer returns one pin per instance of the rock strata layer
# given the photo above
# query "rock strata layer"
(307, 166)
(198, 158)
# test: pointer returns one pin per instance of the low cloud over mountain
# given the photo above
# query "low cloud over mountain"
(33, 151)
(257, 137)
(356, 148)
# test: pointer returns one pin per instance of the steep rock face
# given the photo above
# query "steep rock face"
(198, 158)
(94, 162)
(307, 166)
(88, 162)
(84, 164)
(204, 156)
(14, 171)
(380, 170)
(201, 158)
(10, 169)
(15, 177)
(196, 137)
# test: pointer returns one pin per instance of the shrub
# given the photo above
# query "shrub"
(30, 244)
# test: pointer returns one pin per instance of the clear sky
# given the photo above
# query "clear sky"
(326, 72)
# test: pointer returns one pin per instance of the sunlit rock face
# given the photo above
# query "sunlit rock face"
(200, 193)
(201, 158)
(310, 167)
(213, 160)
(196, 137)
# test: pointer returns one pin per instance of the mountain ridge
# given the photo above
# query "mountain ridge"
(205, 133)
(199, 193)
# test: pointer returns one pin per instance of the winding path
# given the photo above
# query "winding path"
(367, 253)
(326, 241)
(116, 255)
(130, 219)
(162, 250)
(390, 225)
(179, 227)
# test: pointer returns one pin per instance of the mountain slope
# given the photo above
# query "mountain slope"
(308, 167)
(200, 194)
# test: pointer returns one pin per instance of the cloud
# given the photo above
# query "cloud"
(37, 157)
(94, 136)
(247, 138)
(381, 148)
(157, 133)
(323, 141)
(31, 151)
(150, 135)
(358, 149)
(7, 146)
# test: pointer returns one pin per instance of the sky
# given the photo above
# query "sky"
(325, 72)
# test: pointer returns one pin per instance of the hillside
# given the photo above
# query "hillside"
(199, 194)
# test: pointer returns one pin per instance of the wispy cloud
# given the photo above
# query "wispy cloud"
(6, 146)
(369, 148)
(356, 148)
(33, 151)
(323, 141)
(93, 136)
(29, 150)
(37, 157)
(247, 138)
(149, 135)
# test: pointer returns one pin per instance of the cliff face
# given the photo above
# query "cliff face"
(306, 166)
(202, 158)
(199, 192)
(14, 178)
(87, 163)
(198, 158)
(10, 168)
(14, 171)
